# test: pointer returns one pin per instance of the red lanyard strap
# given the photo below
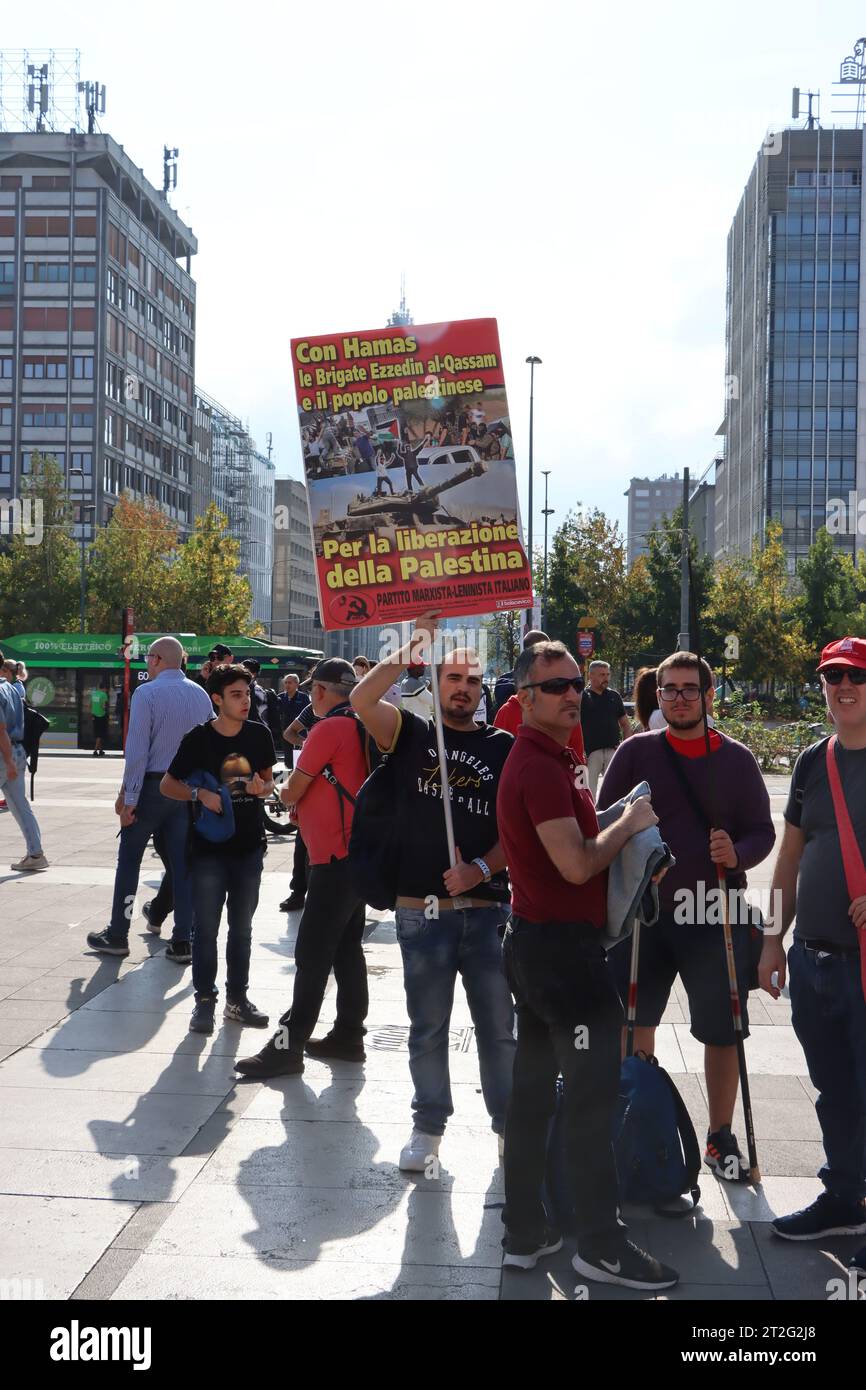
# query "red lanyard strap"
(852, 859)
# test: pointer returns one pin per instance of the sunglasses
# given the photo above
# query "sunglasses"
(557, 685)
(856, 675)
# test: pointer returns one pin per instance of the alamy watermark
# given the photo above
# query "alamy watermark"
(434, 650)
(22, 517)
(705, 907)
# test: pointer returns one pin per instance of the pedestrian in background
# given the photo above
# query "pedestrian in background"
(604, 721)
(13, 766)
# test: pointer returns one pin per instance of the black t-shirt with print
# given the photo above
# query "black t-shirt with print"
(822, 892)
(475, 762)
(232, 760)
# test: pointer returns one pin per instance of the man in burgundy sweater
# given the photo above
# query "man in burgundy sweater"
(716, 816)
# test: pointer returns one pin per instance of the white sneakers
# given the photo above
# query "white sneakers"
(417, 1154)
(422, 1148)
(31, 864)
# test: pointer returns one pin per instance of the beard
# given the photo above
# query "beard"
(686, 721)
(459, 713)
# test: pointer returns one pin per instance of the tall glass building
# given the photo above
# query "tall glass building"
(794, 333)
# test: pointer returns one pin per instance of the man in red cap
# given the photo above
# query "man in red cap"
(828, 1005)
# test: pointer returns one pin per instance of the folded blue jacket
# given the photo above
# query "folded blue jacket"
(207, 823)
(631, 892)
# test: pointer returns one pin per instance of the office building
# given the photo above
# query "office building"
(295, 607)
(794, 440)
(650, 500)
(240, 480)
(702, 518)
(97, 326)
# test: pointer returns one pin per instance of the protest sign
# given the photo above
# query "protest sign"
(410, 472)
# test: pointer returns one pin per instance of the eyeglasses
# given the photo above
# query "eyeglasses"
(557, 685)
(834, 674)
(690, 693)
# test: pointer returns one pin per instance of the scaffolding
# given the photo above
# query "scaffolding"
(40, 90)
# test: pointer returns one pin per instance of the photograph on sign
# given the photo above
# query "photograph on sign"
(410, 471)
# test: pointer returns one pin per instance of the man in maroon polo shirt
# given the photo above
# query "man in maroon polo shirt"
(568, 1010)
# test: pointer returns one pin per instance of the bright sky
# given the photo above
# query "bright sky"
(570, 169)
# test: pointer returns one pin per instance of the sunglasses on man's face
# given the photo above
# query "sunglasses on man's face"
(557, 685)
(856, 675)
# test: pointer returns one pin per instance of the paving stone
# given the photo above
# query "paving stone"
(31, 1010)
(803, 1269)
(109, 1271)
(114, 1122)
(19, 1031)
(121, 1177)
(141, 1228)
(409, 1227)
(137, 1072)
(233, 1279)
(55, 1242)
(296, 1153)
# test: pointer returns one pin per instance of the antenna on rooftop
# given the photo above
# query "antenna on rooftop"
(94, 102)
(169, 165)
(797, 103)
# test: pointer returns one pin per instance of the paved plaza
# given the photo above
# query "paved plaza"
(133, 1165)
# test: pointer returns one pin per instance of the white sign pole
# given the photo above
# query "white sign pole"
(443, 765)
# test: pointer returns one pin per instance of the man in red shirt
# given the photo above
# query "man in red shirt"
(568, 1011)
(326, 779)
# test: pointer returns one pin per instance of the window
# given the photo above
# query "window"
(113, 381)
(5, 464)
(82, 419)
(85, 463)
(46, 226)
(52, 183)
(116, 289)
(85, 274)
(84, 320)
(39, 368)
(7, 272)
(112, 432)
(6, 368)
(48, 416)
(5, 414)
(47, 272)
(82, 368)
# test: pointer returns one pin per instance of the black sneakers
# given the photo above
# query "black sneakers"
(275, 1059)
(294, 903)
(101, 941)
(617, 1260)
(202, 1016)
(827, 1216)
(525, 1254)
(179, 951)
(722, 1156)
(245, 1013)
(146, 912)
(335, 1048)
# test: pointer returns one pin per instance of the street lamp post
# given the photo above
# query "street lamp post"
(548, 511)
(532, 362)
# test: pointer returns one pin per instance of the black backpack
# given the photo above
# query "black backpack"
(374, 843)
(35, 725)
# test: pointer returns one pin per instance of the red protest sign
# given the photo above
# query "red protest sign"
(410, 472)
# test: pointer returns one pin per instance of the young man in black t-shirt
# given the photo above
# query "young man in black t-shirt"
(238, 753)
(448, 919)
(828, 1009)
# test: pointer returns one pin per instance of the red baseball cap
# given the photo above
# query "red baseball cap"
(848, 651)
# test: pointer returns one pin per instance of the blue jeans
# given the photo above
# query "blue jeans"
(215, 878)
(434, 951)
(828, 1012)
(16, 797)
(154, 812)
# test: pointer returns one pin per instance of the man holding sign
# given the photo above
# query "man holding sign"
(449, 919)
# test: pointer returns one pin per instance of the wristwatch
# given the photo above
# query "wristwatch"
(483, 866)
(193, 793)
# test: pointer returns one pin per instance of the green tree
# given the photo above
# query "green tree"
(39, 567)
(659, 611)
(503, 638)
(753, 600)
(830, 599)
(131, 567)
(208, 593)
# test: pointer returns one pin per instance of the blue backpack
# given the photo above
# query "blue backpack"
(654, 1143)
